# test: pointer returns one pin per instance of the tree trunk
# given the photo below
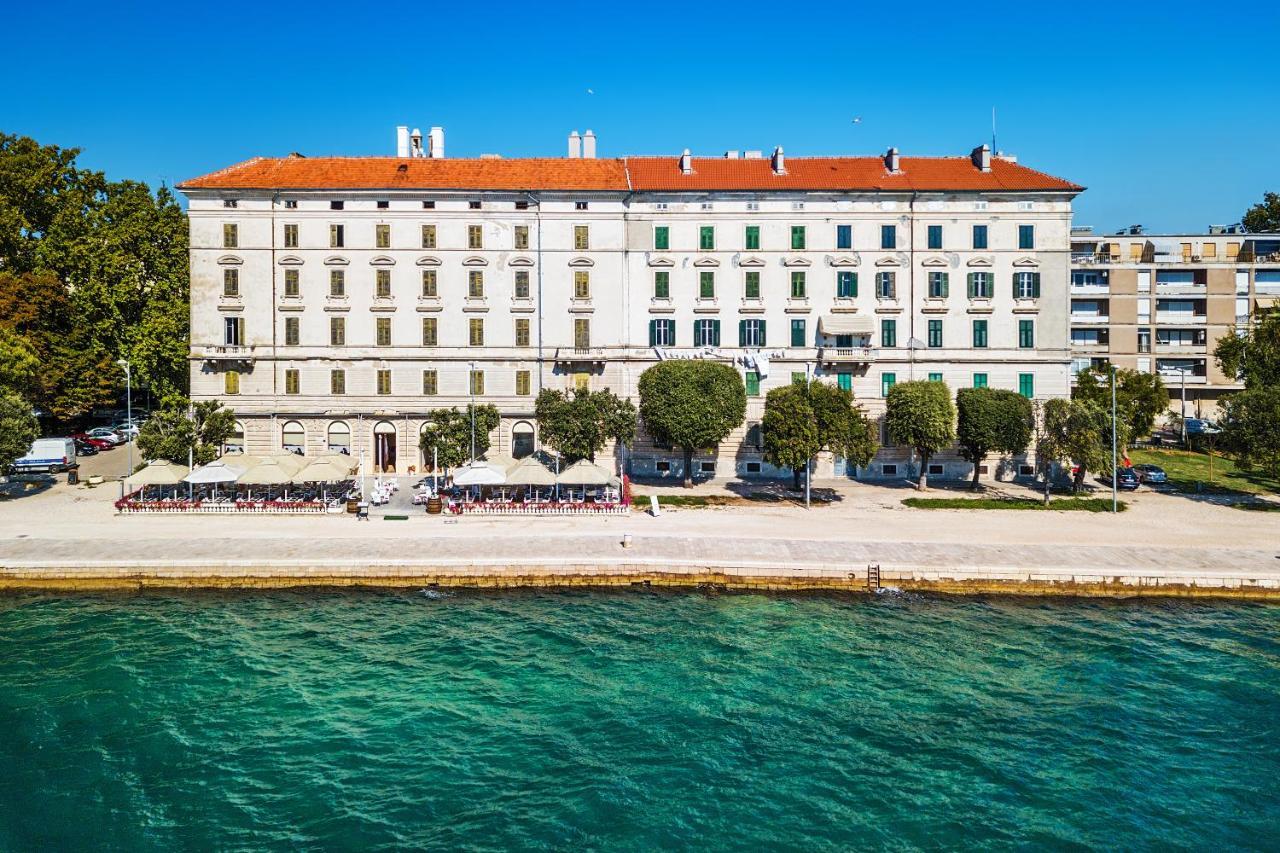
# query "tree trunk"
(688, 467)
(922, 484)
(974, 486)
(1048, 472)
(1078, 481)
(795, 479)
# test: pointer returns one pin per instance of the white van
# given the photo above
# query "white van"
(48, 454)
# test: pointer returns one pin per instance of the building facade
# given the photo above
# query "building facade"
(1161, 302)
(336, 301)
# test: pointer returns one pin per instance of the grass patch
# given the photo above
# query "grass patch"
(1188, 468)
(1256, 506)
(689, 500)
(1057, 504)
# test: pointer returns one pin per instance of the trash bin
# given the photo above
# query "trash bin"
(73, 477)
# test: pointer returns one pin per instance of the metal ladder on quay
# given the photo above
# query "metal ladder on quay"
(873, 578)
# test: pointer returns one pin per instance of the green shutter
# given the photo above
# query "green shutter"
(973, 288)
(715, 333)
(946, 285)
(763, 337)
(855, 283)
(742, 333)
(653, 333)
(696, 341)
(1035, 285)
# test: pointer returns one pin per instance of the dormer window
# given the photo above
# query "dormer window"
(291, 204)
(473, 205)
(230, 202)
(428, 205)
(384, 205)
(336, 205)
(579, 205)
(524, 205)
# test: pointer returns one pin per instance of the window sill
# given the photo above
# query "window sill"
(798, 305)
(751, 306)
(1026, 306)
(934, 305)
(475, 306)
(888, 306)
(521, 305)
(661, 306)
(429, 303)
(844, 305)
(383, 305)
(979, 306)
(581, 306)
(706, 306)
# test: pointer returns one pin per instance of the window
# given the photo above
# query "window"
(475, 237)
(428, 205)
(428, 236)
(844, 236)
(429, 284)
(844, 381)
(751, 239)
(337, 331)
(755, 438)
(382, 236)
(582, 381)
(291, 236)
(523, 384)
(233, 331)
(979, 236)
(979, 380)
(707, 238)
(751, 284)
(1027, 384)
(522, 205)
(581, 332)
(522, 332)
(799, 377)
(473, 205)
(1026, 285)
(581, 284)
(980, 285)
(707, 284)
(706, 205)
(231, 282)
(291, 383)
(662, 333)
(230, 235)
(521, 236)
(230, 202)
(430, 334)
(581, 238)
(337, 205)
(846, 284)
(935, 377)
(935, 236)
(888, 236)
(1026, 334)
(887, 381)
(430, 383)
(797, 333)
(1144, 340)
(751, 333)
(706, 333)
(382, 284)
(475, 332)
(886, 288)
(1026, 236)
(384, 381)
(475, 284)
(291, 333)
(291, 283)
(337, 283)
(291, 204)
(935, 333)
(661, 284)
(337, 382)
(797, 237)
(231, 382)
(522, 284)
(383, 329)
(980, 334)
(383, 205)
(797, 284)
(939, 285)
(337, 236)
(661, 238)
(752, 380)
(888, 333)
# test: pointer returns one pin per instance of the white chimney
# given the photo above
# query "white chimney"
(686, 163)
(589, 145)
(891, 161)
(731, 155)
(779, 165)
(575, 145)
(435, 143)
(981, 157)
(402, 141)
(415, 143)
(753, 155)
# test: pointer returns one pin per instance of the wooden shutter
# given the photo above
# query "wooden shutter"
(1035, 285)
(946, 284)
(697, 342)
(742, 333)
(653, 333)
(973, 289)
(715, 333)
(763, 337)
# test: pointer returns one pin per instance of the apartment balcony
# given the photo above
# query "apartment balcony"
(581, 355)
(1090, 290)
(1091, 348)
(846, 355)
(1181, 288)
(1182, 349)
(225, 352)
(1173, 378)
(1090, 319)
(1092, 259)
(1178, 318)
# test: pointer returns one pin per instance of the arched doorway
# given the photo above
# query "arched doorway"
(235, 441)
(293, 438)
(522, 440)
(339, 438)
(384, 447)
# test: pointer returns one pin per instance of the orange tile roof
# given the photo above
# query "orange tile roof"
(636, 173)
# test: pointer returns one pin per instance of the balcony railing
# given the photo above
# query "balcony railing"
(1090, 319)
(846, 355)
(227, 352)
(1180, 318)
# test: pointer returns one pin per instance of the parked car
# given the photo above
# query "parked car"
(1126, 479)
(48, 454)
(93, 441)
(129, 431)
(106, 434)
(1151, 474)
(86, 447)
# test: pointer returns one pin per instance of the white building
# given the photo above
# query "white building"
(335, 301)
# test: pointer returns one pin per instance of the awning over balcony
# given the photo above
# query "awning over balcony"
(1266, 303)
(846, 324)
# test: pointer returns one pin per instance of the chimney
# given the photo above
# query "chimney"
(731, 155)
(686, 163)
(779, 166)
(575, 146)
(402, 141)
(415, 143)
(981, 157)
(891, 161)
(435, 143)
(589, 145)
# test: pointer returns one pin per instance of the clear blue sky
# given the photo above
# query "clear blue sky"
(1168, 112)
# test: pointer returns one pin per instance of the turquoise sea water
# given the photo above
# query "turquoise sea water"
(634, 720)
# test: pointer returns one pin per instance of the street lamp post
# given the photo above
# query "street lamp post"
(128, 410)
(1115, 474)
(1183, 373)
(471, 385)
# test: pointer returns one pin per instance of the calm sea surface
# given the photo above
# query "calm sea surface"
(634, 720)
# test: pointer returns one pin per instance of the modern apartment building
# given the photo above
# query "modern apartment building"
(337, 300)
(1160, 302)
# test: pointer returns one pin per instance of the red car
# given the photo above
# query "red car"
(100, 443)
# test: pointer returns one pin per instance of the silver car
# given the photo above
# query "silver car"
(1151, 474)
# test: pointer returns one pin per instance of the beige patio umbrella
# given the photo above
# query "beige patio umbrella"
(323, 471)
(501, 461)
(530, 472)
(159, 472)
(584, 473)
(238, 461)
(268, 472)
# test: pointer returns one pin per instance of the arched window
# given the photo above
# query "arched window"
(384, 447)
(235, 441)
(293, 437)
(522, 443)
(339, 438)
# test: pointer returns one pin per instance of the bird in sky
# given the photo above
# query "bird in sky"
(857, 119)
(591, 91)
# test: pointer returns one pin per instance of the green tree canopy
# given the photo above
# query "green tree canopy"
(448, 431)
(920, 414)
(991, 420)
(179, 427)
(1263, 216)
(691, 405)
(580, 422)
(18, 428)
(1140, 397)
(1250, 424)
(1079, 432)
(803, 419)
(1255, 355)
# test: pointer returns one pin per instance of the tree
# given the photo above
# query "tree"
(803, 419)
(920, 414)
(1255, 355)
(579, 423)
(19, 363)
(448, 432)
(1250, 424)
(1077, 431)
(179, 428)
(18, 429)
(991, 420)
(1140, 397)
(1263, 216)
(691, 405)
